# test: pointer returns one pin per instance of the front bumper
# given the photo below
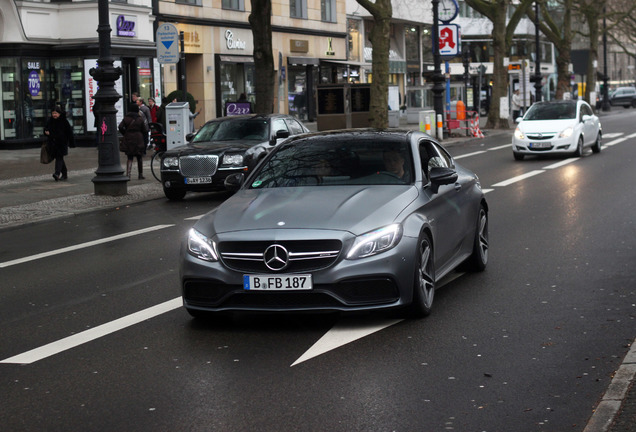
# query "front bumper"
(551, 146)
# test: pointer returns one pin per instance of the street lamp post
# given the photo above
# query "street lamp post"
(537, 63)
(606, 104)
(438, 78)
(110, 178)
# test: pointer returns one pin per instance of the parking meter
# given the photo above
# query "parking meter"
(177, 123)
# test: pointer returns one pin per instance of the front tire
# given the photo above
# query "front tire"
(174, 194)
(424, 284)
(478, 260)
(596, 148)
(518, 156)
(579, 148)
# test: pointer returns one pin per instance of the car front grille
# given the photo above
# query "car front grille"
(539, 137)
(302, 256)
(198, 165)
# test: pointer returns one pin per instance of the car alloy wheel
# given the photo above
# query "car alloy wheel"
(478, 260)
(579, 148)
(596, 148)
(424, 286)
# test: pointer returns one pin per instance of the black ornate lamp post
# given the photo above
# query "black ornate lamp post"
(606, 104)
(537, 62)
(110, 178)
(466, 63)
(438, 78)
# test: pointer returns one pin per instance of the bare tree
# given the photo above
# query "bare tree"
(382, 12)
(502, 32)
(265, 75)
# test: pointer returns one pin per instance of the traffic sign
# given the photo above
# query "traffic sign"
(167, 44)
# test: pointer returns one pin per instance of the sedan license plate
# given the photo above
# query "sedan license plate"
(294, 282)
(540, 145)
(198, 180)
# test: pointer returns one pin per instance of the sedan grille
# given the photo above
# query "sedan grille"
(538, 137)
(198, 165)
(299, 256)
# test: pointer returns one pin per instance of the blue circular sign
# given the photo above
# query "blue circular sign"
(34, 83)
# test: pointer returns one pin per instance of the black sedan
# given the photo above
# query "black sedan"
(221, 147)
(338, 221)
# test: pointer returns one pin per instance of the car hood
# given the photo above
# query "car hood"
(546, 126)
(216, 147)
(356, 209)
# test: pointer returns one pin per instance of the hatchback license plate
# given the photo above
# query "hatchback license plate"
(540, 145)
(295, 282)
(198, 180)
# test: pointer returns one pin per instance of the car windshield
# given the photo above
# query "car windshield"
(330, 161)
(551, 111)
(232, 130)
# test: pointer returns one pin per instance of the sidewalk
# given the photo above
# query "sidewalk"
(28, 194)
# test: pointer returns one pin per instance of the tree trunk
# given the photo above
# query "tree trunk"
(500, 72)
(264, 73)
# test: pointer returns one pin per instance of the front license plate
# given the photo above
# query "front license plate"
(198, 180)
(277, 283)
(540, 145)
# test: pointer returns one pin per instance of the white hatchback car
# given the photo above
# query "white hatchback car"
(557, 127)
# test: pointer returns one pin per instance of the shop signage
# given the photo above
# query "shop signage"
(330, 51)
(238, 108)
(34, 83)
(449, 40)
(233, 44)
(296, 45)
(125, 28)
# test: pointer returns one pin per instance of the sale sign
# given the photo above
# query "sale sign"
(34, 83)
(449, 40)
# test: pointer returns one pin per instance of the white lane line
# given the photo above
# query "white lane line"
(616, 141)
(613, 134)
(94, 333)
(500, 147)
(343, 333)
(469, 154)
(195, 217)
(82, 246)
(560, 164)
(518, 178)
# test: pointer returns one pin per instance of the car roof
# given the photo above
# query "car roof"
(252, 117)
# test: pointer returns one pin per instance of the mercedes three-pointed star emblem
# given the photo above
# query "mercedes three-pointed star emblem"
(276, 257)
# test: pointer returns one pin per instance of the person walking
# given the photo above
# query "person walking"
(516, 105)
(60, 137)
(144, 112)
(155, 110)
(133, 128)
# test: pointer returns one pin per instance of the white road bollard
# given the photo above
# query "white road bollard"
(440, 127)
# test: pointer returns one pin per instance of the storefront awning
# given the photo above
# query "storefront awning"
(303, 61)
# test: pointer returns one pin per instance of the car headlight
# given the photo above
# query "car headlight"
(566, 133)
(519, 134)
(170, 162)
(201, 247)
(233, 159)
(376, 241)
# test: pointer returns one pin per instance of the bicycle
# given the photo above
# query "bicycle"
(158, 143)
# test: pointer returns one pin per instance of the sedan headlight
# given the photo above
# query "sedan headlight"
(376, 241)
(233, 159)
(519, 134)
(170, 162)
(567, 132)
(201, 247)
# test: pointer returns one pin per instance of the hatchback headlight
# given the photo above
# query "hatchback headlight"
(567, 132)
(519, 134)
(201, 247)
(233, 159)
(376, 241)
(170, 162)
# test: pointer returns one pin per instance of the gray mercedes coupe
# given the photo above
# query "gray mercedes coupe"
(353, 220)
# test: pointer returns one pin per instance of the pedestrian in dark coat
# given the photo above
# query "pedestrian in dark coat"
(133, 128)
(60, 137)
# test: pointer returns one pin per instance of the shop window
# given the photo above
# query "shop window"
(67, 90)
(328, 10)
(234, 5)
(9, 98)
(298, 9)
(189, 2)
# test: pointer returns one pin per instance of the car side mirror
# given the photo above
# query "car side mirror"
(280, 134)
(586, 117)
(442, 176)
(189, 137)
(233, 182)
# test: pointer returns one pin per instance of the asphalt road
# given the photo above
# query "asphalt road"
(93, 336)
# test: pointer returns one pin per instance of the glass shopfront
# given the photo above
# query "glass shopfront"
(31, 87)
(235, 77)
